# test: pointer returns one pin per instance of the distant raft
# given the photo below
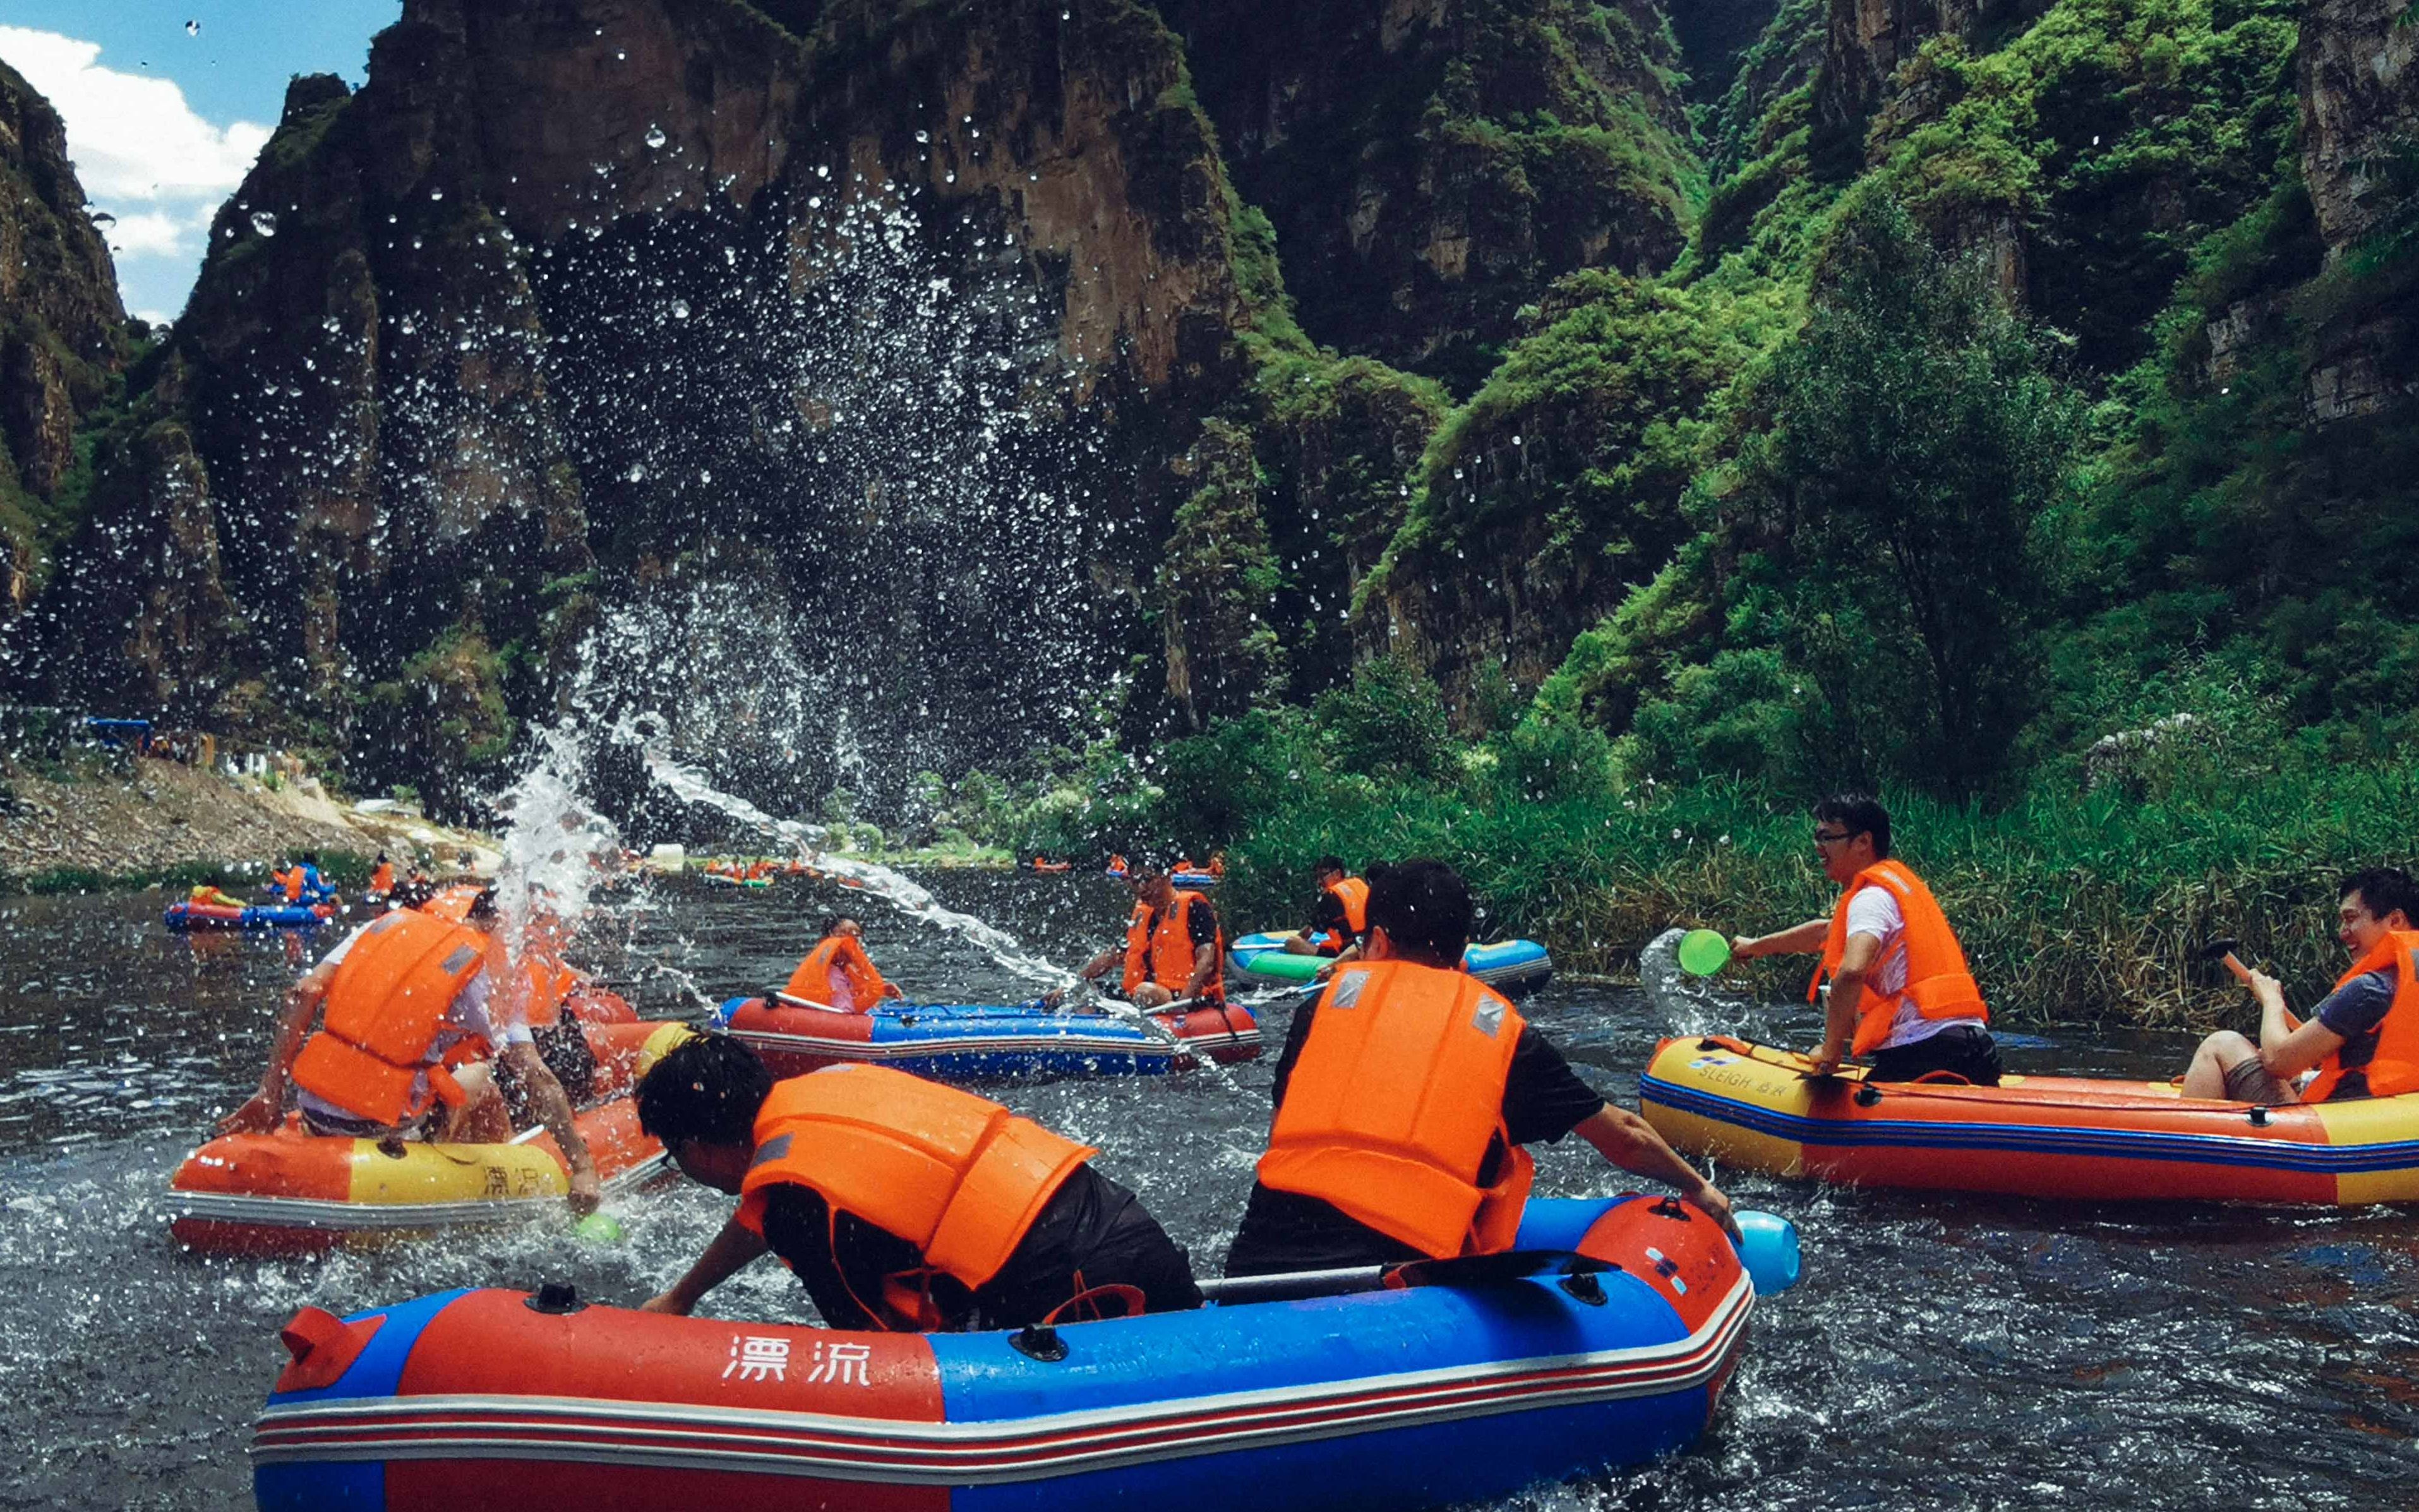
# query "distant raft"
(950, 1039)
(192, 916)
(1512, 967)
(290, 1192)
(2077, 1138)
(1381, 1400)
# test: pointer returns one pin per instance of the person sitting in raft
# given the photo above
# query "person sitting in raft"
(1339, 917)
(212, 895)
(899, 1203)
(1405, 1092)
(381, 876)
(2362, 1039)
(1173, 947)
(1900, 991)
(407, 1047)
(1218, 863)
(837, 974)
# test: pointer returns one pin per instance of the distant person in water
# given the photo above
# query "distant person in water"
(837, 974)
(2362, 1039)
(215, 896)
(1173, 947)
(1339, 917)
(409, 1046)
(899, 1202)
(1900, 991)
(1404, 1099)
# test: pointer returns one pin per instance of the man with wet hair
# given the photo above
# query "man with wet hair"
(1405, 1095)
(408, 1047)
(2361, 1041)
(899, 1202)
(1901, 993)
(1173, 947)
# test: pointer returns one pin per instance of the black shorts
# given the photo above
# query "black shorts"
(1966, 1050)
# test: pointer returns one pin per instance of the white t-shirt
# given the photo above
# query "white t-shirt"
(1874, 911)
(465, 1017)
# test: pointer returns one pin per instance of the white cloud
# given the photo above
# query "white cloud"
(141, 153)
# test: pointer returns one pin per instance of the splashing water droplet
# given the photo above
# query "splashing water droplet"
(264, 223)
(656, 137)
(680, 309)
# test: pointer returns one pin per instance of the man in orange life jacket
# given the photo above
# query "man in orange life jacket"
(1900, 991)
(899, 1202)
(1174, 948)
(837, 974)
(1340, 915)
(2362, 1039)
(409, 1038)
(1404, 1097)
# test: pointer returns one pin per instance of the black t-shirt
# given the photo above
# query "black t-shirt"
(1089, 1222)
(1543, 1100)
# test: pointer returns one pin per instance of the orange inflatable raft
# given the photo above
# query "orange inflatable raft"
(2082, 1139)
(290, 1192)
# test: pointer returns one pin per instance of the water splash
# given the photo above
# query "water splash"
(1690, 1003)
(556, 849)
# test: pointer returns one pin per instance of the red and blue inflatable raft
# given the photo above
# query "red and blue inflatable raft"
(476, 1400)
(944, 1040)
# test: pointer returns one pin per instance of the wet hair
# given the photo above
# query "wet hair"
(2384, 890)
(412, 892)
(1862, 815)
(483, 905)
(1423, 906)
(833, 921)
(1325, 864)
(1156, 862)
(381, 859)
(708, 1088)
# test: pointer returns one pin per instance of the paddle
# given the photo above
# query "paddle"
(1454, 1271)
(2221, 951)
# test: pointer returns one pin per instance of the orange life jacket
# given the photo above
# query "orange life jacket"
(546, 983)
(1938, 982)
(386, 1007)
(1164, 954)
(2385, 1061)
(1353, 893)
(844, 956)
(382, 880)
(1396, 1103)
(955, 1175)
(293, 880)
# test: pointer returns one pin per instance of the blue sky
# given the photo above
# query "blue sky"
(163, 122)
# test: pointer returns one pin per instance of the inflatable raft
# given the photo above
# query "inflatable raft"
(721, 881)
(291, 1192)
(498, 1401)
(1512, 967)
(189, 916)
(2038, 1136)
(956, 1041)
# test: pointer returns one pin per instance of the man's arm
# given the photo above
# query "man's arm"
(1091, 969)
(267, 1105)
(732, 1251)
(1205, 970)
(553, 1108)
(2285, 1049)
(1798, 939)
(1631, 1143)
(1847, 1001)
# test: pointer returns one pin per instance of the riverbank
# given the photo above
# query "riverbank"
(131, 822)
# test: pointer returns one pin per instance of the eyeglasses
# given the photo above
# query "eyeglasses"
(1837, 838)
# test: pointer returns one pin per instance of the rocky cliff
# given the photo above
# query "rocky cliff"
(63, 335)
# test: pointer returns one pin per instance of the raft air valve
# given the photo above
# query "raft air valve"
(555, 1299)
(322, 1346)
(1038, 1341)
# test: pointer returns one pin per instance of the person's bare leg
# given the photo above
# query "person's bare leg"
(1299, 944)
(1152, 995)
(2217, 1056)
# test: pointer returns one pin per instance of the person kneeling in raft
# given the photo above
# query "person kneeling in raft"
(2362, 1039)
(1173, 947)
(1901, 992)
(1402, 1100)
(409, 1036)
(1339, 917)
(212, 895)
(837, 974)
(900, 1203)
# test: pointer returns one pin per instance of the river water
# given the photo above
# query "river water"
(1940, 1352)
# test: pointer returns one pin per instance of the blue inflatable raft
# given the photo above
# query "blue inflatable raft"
(498, 1401)
(963, 1042)
(255, 915)
(1512, 967)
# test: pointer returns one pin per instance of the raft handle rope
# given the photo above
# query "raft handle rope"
(1868, 1093)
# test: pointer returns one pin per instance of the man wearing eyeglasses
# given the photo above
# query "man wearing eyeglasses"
(1901, 993)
